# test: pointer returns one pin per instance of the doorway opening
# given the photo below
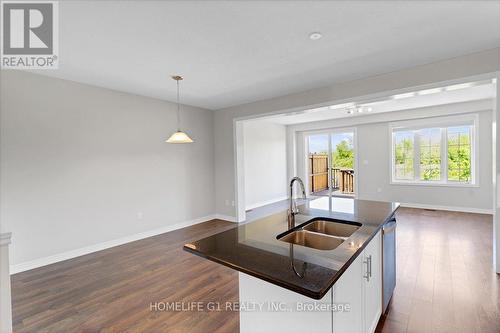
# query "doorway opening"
(331, 164)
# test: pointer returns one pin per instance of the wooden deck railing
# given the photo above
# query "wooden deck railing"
(343, 180)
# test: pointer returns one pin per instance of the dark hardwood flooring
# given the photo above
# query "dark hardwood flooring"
(445, 283)
(112, 290)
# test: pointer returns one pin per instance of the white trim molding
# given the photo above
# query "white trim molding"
(448, 208)
(24, 266)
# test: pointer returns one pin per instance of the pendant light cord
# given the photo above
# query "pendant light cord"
(178, 109)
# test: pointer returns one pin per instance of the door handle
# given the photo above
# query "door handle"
(370, 265)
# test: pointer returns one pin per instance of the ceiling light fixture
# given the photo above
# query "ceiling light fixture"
(340, 106)
(404, 95)
(430, 91)
(315, 35)
(179, 136)
(459, 86)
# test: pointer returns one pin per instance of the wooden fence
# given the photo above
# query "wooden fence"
(342, 178)
(318, 177)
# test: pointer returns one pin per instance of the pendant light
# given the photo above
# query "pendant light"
(179, 136)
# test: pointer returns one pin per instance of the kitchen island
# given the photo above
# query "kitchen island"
(293, 287)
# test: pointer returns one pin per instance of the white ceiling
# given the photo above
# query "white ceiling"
(480, 92)
(242, 51)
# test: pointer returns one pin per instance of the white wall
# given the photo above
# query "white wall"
(81, 165)
(265, 163)
(420, 77)
(374, 157)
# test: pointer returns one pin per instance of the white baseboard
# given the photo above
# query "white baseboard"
(225, 217)
(104, 245)
(267, 202)
(448, 208)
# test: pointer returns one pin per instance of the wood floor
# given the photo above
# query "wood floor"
(112, 290)
(445, 283)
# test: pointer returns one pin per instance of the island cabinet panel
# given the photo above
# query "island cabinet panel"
(352, 305)
(349, 299)
(372, 279)
(360, 286)
(265, 307)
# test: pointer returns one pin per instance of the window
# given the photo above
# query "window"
(459, 154)
(433, 155)
(430, 153)
(403, 155)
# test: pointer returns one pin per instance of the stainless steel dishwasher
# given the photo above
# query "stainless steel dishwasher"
(388, 262)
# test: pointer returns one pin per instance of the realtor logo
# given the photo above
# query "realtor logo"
(29, 35)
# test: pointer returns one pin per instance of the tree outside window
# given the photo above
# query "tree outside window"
(343, 153)
(459, 154)
(403, 155)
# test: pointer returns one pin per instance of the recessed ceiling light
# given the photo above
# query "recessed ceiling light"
(405, 95)
(362, 109)
(459, 86)
(315, 35)
(323, 108)
(341, 106)
(430, 91)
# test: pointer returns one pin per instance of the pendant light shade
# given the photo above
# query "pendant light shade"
(179, 136)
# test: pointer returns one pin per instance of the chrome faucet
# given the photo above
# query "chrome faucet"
(293, 210)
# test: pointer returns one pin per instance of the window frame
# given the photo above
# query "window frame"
(443, 123)
(393, 159)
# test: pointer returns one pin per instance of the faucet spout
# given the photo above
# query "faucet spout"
(293, 210)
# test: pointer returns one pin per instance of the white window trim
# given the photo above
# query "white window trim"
(443, 123)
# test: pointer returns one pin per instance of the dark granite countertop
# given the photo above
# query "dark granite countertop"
(252, 248)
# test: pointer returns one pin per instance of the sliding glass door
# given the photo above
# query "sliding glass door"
(330, 164)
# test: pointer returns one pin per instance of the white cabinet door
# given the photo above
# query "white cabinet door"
(372, 280)
(349, 290)
(271, 308)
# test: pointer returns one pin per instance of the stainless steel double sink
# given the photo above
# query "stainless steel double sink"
(320, 233)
